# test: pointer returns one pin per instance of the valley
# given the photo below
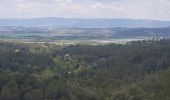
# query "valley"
(72, 36)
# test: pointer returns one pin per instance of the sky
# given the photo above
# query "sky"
(133, 9)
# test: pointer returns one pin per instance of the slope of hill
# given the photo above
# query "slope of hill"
(134, 71)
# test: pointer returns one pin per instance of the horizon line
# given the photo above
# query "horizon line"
(84, 18)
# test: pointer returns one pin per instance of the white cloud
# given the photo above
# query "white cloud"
(139, 9)
(98, 6)
(63, 1)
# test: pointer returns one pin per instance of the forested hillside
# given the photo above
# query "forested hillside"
(135, 71)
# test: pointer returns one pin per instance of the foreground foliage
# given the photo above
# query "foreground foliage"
(135, 71)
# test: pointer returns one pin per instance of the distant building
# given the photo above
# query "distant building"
(67, 57)
(17, 50)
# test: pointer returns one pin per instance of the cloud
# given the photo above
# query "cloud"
(138, 9)
(98, 6)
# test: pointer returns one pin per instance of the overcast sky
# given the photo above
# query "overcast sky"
(138, 9)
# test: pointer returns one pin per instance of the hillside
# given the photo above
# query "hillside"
(133, 71)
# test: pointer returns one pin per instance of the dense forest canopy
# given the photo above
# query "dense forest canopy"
(137, 70)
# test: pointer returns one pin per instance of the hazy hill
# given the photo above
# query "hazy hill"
(84, 23)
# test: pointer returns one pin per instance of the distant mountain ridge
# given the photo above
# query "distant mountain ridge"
(84, 23)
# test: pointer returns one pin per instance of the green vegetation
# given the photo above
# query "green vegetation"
(134, 71)
(68, 36)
